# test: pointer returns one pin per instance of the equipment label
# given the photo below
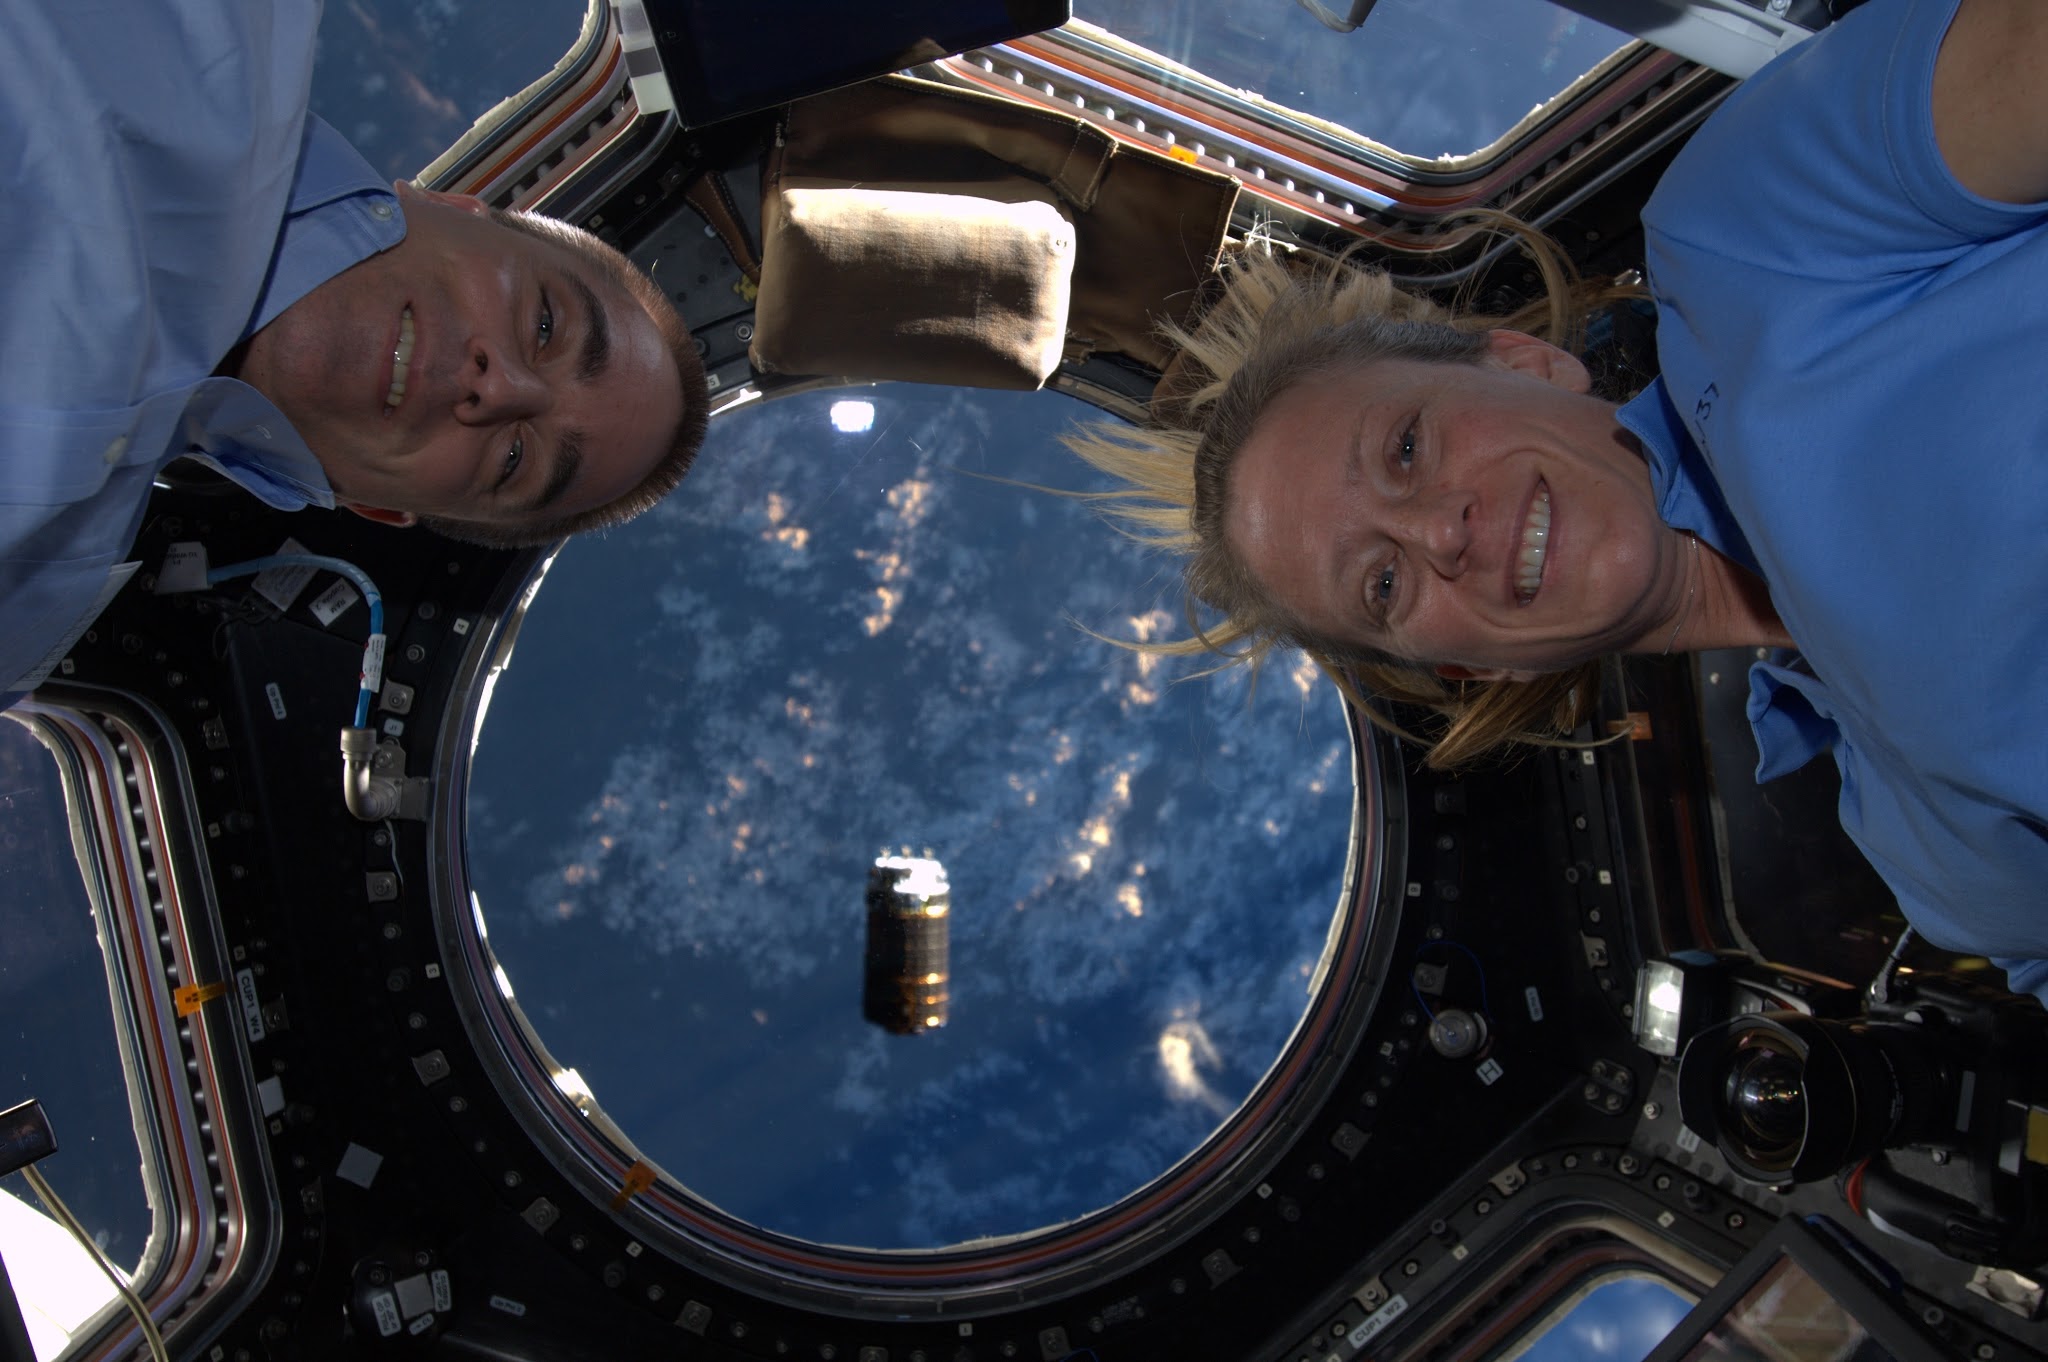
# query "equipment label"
(282, 585)
(1535, 1001)
(252, 1011)
(385, 1308)
(373, 663)
(331, 604)
(272, 693)
(1379, 1320)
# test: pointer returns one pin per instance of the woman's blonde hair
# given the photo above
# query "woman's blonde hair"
(1275, 325)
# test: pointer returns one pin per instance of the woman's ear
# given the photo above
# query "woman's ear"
(1526, 354)
(1451, 671)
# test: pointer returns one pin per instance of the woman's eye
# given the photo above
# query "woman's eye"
(1383, 588)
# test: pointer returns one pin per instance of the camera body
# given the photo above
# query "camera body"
(1928, 1100)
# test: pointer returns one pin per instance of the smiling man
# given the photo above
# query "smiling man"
(201, 269)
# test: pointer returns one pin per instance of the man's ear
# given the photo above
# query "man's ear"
(468, 203)
(1539, 359)
(1451, 671)
(382, 515)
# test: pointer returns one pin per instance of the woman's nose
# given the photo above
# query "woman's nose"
(1439, 527)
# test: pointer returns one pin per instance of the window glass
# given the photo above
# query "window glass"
(1619, 1320)
(402, 79)
(1425, 77)
(851, 632)
(57, 1038)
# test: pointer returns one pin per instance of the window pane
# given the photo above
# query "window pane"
(1620, 1320)
(842, 637)
(57, 1044)
(402, 79)
(1425, 77)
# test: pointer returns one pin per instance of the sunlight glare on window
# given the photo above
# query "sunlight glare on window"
(853, 417)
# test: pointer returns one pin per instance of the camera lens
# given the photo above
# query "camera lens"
(1790, 1098)
(1765, 1092)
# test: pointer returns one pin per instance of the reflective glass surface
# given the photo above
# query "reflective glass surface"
(402, 79)
(1619, 1320)
(57, 1040)
(1425, 77)
(846, 634)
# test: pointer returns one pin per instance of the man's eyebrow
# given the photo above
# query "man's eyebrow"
(597, 331)
(568, 458)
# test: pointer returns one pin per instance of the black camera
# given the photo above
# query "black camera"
(1801, 1084)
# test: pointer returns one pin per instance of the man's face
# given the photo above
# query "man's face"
(1490, 517)
(472, 372)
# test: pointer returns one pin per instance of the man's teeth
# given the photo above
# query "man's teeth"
(401, 360)
(1535, 540)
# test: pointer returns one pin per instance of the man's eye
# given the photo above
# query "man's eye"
(1404, 450)
(545, 328)
(512, 458)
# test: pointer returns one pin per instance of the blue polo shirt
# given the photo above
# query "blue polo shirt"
(1849, 343)
(168, 194)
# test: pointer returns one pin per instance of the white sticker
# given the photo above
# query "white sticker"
(386, 1311)
(1379, 1320)
(282, 585)
(1687, 1141)
(1489, 1072)
(117, 577)
(1606, 877)
(373, 663)
(331, 604)
(252, 1011)
(1665, 1219)
(422, 1324)
(508, 1305)
(270, 1095)
(184, 568)
(272, 693)
(394, 728)
(444, 1295)
(359, 1165)
(1535, 1001)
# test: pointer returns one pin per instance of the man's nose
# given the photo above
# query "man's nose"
(1438, 525)
(496, 385)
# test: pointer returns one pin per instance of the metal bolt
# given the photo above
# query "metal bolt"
(1629, 1165)
(744, 332)
(1985, 1350)
(415, 653)
(428, 610)
(1652, 1110)
(1736, 1220)
(1940, 1157)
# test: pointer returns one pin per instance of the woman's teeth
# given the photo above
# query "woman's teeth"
(1535, 540)
(401, 360)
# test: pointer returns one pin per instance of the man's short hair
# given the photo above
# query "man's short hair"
(668, 471)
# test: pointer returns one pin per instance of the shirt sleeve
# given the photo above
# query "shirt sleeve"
(1824, 165)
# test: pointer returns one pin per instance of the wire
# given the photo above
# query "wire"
(1484, 1005)
(150, 1333)
(373, 650)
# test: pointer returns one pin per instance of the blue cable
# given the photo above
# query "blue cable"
(373, 650)
(1484, 1004)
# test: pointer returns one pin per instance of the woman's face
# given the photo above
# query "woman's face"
(1489, 518)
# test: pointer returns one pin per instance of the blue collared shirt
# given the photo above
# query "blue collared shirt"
(167, 195)
(1850, 407)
